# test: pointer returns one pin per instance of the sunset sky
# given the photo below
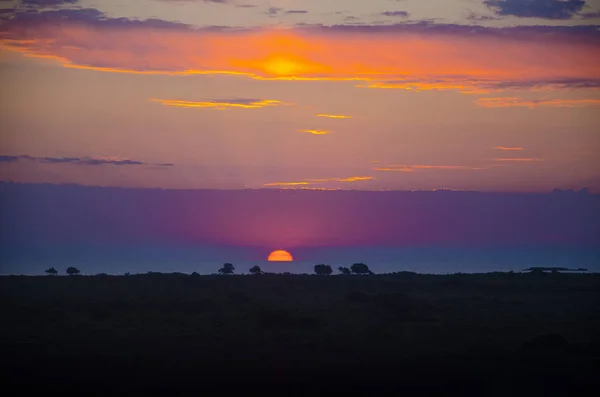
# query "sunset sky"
(489, 95)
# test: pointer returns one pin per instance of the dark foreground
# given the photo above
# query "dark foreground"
(495, 334)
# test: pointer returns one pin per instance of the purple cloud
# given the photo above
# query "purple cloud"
(402, 14)
(45, 3)
(546, 9)
(77, 160)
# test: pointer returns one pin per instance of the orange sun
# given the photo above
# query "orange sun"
(280, 256)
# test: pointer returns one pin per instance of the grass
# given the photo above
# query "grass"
(167, 332)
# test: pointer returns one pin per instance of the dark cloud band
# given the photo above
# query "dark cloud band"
(76, 160)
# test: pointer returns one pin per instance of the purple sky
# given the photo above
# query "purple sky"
(54, 214)
(116, 230)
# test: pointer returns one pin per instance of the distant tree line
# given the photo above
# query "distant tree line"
(228, 268)
(321, 269)
(71, 271)
(357, 268)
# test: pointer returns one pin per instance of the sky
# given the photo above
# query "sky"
(141, 133)
(118, 230)
(478, 95)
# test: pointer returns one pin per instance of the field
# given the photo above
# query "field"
(491, 334)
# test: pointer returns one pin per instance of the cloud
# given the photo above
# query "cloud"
(518, 102)
(590, 15)
(547, 9)
(399, 56)
(482, 86)
(46, 3)
(350, 179)
(508, 149)
(476, 17)
(198, 1)
(306, 182)
(519, 159)
(394, 169)
(412, 168)
(220, 104)
(273, 11)
(445, 167)
(78, 160)
(316, 132)
(9, 159)
(334, 116)
(402, 14)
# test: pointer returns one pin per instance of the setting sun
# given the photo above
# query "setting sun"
(280, 256)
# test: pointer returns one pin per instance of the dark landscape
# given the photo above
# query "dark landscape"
(488, 334)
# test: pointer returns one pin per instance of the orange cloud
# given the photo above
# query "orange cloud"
(508, 149)
(394, 169)
(517, 159)
(350, 179)
(286, 184)
(334, 116)
(412, 168)
(316, 132)
(405, 56)
(320, 181)
(445, 167)
(219, 104)
(517, 102)
(462, 85)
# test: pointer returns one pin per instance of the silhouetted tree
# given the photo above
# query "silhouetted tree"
(51, 272)
(195, 274)
(227, 268)
(323, 270)
(72, 271)
(255, 270)
(360, 268)
(344, 270)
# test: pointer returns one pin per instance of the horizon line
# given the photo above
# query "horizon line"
(583, 190)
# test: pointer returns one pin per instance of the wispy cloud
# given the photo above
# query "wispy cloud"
(476, 85)
(317, 132)
(119, 161)
(334, 116)
(412, 168)
(317, 181)
(445, 167)
(508, 149)
(394, 169)
(425, 85)
(220, 104)
(88, 39)
(519, 159)
(274, 184)
(401, 14)
(518, 102)
(350, 179)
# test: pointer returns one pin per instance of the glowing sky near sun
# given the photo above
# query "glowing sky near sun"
(338, 94)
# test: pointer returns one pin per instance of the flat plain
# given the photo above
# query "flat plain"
(492, 334)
